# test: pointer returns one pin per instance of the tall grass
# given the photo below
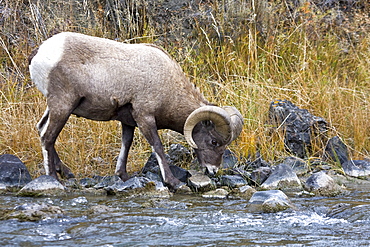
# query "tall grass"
(245, 53)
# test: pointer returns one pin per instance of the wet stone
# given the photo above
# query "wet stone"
(216, 194)
(43, 186)
(99, 209)
(270, 201)
(282, 178)
(13, 173)
(200, 182)
(245, 192)
(165, 204)
(232, 181)
(34, 212)
(229, 159)
(107, 181)
(180, 173)
(357, 168)
(259, 175)
(298, 165)
(178, 154)
(132, 183)
(322, 184)
(90, 182)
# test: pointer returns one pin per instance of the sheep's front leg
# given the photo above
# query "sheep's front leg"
(148, 128)
(127, 137)
(49, 128)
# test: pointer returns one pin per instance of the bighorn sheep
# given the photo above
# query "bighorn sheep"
(139, 85)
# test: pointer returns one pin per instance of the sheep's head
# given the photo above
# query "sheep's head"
(209, 129)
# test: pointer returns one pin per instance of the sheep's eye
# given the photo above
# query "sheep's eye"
(214, 143)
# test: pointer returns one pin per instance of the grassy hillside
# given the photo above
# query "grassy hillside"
(242, 53)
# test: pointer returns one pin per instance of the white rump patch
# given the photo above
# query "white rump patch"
(49, 54)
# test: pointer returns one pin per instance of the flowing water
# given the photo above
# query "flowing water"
(192, 221)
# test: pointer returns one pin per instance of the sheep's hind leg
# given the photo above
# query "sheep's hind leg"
(49, 128)
(127, 137)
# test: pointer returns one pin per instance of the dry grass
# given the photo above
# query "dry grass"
(258, 53)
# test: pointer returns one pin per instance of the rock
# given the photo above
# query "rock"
(43, 186)
(180, 173)
(13, 173)
(270, 201)
(322, 184)
(132, 183)
(34, 212)
(216, 194)
(357, 168)
(259, 175)
(99, 210)
(139, 187)
(199, 182)
(350, 212)
(153, 176)
(178, 154)
(152, 164)
(229, 160)
(299, 126)
(336, 150)
(165, 204)
(299, 166)
(90, 182)
(244, 192)
(107, 181)
(257, 163)
(232, 181)
(283, 178)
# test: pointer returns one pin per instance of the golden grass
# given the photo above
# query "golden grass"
(298, 59)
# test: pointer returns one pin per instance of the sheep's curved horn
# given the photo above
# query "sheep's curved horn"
(237, 121)
(228, 122)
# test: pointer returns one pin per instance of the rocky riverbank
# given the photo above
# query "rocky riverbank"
(267, 187)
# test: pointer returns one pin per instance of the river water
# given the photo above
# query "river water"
(192, 221)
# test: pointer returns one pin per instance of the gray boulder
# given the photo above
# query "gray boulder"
(270, 201)
(232, 181)
(43, 186)
(336, 150)
(33, 212)
(216, 194)
(322, 184)
(132, 183)
(106, 182)
(300, 126)
(177, 155)
(229, 159)
(199, 182)
(259, 175)
(139, 187)
(245, 192)
(13, 173)
(282, 178)
(299, 166)
(357, 168)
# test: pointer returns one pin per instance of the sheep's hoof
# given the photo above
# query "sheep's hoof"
(174, 184)
(65, 172)
(123, 176)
